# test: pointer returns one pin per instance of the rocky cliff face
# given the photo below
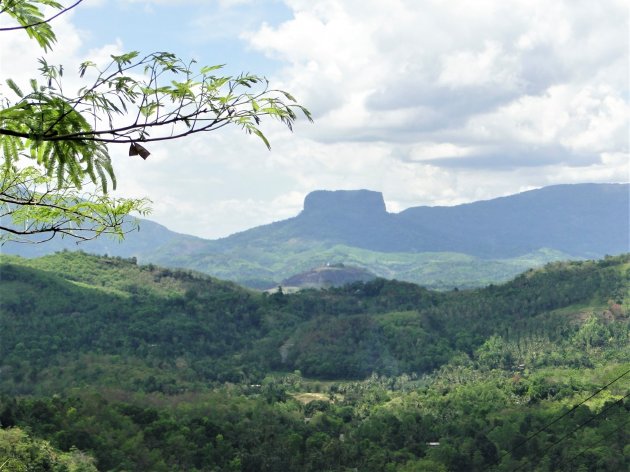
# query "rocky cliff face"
(583, 220)
(353, 217)
(346, 202)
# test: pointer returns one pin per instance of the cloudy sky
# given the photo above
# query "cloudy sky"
(432, 102)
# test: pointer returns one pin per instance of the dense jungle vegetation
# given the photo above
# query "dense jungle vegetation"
(107, 365)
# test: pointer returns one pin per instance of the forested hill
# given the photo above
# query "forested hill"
(63, 313)
(108, 365)
(441, 247)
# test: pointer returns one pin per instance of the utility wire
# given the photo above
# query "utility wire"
(580, 426)
(572, 458)
(533, 435)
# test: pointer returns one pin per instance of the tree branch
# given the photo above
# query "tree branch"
(38, 23)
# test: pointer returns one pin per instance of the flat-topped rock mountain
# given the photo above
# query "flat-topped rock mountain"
(583, 220)
(365, 203)
(463, 245)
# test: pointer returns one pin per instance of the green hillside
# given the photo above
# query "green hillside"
(463, 246)
(144, 368)
(266, 266)
(70, 310)
(466, 246)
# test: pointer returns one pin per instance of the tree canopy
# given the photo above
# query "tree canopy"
(55, 143)
(122, 366)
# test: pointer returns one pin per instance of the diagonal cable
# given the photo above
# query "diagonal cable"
(536, 433)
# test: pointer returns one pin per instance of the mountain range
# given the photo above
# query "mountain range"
(441, 247)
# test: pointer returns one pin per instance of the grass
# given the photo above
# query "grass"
(309, 397)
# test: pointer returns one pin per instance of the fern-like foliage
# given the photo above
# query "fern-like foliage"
(34, 204)
(36, 126)
(134, 99)
(30, 18)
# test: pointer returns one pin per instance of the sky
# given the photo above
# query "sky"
(431, 102)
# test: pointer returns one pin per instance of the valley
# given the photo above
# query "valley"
(384, 236)
(147, 368)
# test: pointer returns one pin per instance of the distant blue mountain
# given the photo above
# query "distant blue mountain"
(584, 220)
(353, 226)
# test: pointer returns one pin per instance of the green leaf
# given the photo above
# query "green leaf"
(84, 66)
(206, 69)
(148, 109)
(13, 86)
(126, 58)
(288, 95)
(259, 133)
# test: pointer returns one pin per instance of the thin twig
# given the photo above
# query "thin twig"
(13, 28)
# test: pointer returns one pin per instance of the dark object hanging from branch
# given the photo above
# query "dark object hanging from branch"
(136, 150)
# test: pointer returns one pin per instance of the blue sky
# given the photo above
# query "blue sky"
(205, 30)
(427, 101)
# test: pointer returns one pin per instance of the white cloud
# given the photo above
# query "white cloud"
(430, 102)
(489, 66)
(458, 95)
(430, 150)
(370, 68)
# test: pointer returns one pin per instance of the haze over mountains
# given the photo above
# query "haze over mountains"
(463, 245)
